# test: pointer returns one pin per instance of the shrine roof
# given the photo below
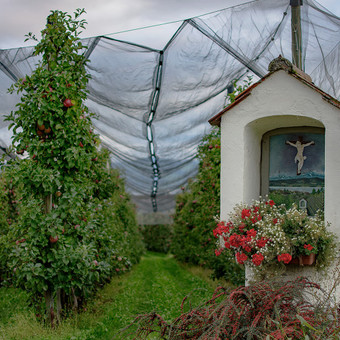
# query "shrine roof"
(277, 64)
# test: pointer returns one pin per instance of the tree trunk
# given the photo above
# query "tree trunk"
(59, 306)
(75, 300)
(49, 303)
(48, 204)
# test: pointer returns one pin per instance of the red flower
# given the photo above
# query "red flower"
(308, 246)
(221, 228)
(275, 220)
(251, 233)
(256, 218)
(261, 242)
(245, 213)
(247, 248)
(285, 258)
(227, 245)
(257, 259)
(271, 203)
(218, 252)
(236, 240)
(241, 258)
(241, 227)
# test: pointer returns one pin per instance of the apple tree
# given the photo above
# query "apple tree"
(54, 255)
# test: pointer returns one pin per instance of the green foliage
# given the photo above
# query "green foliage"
(238, 87)
(157, 237)
(76, 225)
(9, 205)
(198, 209)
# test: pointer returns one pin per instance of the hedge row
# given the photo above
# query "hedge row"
(157, 237)
(198, 208)
(196, 215)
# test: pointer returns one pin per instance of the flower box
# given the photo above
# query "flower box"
(268, 237)
(303, 260)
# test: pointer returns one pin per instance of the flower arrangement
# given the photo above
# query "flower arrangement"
(264, 235)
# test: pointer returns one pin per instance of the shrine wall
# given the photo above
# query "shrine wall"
(280, 101)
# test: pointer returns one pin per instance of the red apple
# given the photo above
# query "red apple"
(68, 102)
(53, 239)
(41, 127)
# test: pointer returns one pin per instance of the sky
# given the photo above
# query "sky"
(19, 17)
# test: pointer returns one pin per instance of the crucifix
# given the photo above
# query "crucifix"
(299, 158)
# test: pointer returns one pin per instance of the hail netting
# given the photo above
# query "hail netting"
(153, 104)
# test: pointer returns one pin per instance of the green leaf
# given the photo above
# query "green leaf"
(304, 322)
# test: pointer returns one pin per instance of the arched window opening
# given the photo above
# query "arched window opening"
(293, 167)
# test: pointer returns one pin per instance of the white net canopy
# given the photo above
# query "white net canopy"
(153, 105)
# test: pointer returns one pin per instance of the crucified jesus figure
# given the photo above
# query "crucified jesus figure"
(299, 158)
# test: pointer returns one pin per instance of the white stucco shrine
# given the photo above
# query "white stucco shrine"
(283, 104)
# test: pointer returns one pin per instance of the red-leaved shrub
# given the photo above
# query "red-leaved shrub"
(265, 310)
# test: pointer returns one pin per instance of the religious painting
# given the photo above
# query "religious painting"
(297, 169)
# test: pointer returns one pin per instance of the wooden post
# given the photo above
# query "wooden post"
(296, 34)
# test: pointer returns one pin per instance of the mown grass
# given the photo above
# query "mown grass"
(158, 284)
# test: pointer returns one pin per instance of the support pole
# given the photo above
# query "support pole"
(296, 34)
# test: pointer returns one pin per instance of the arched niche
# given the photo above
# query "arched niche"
(254, 154)
(293, 166)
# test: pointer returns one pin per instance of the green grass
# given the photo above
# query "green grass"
(158, 284)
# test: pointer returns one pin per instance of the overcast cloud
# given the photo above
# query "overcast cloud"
(18, 17)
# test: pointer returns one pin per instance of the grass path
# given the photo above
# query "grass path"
(158, 284)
